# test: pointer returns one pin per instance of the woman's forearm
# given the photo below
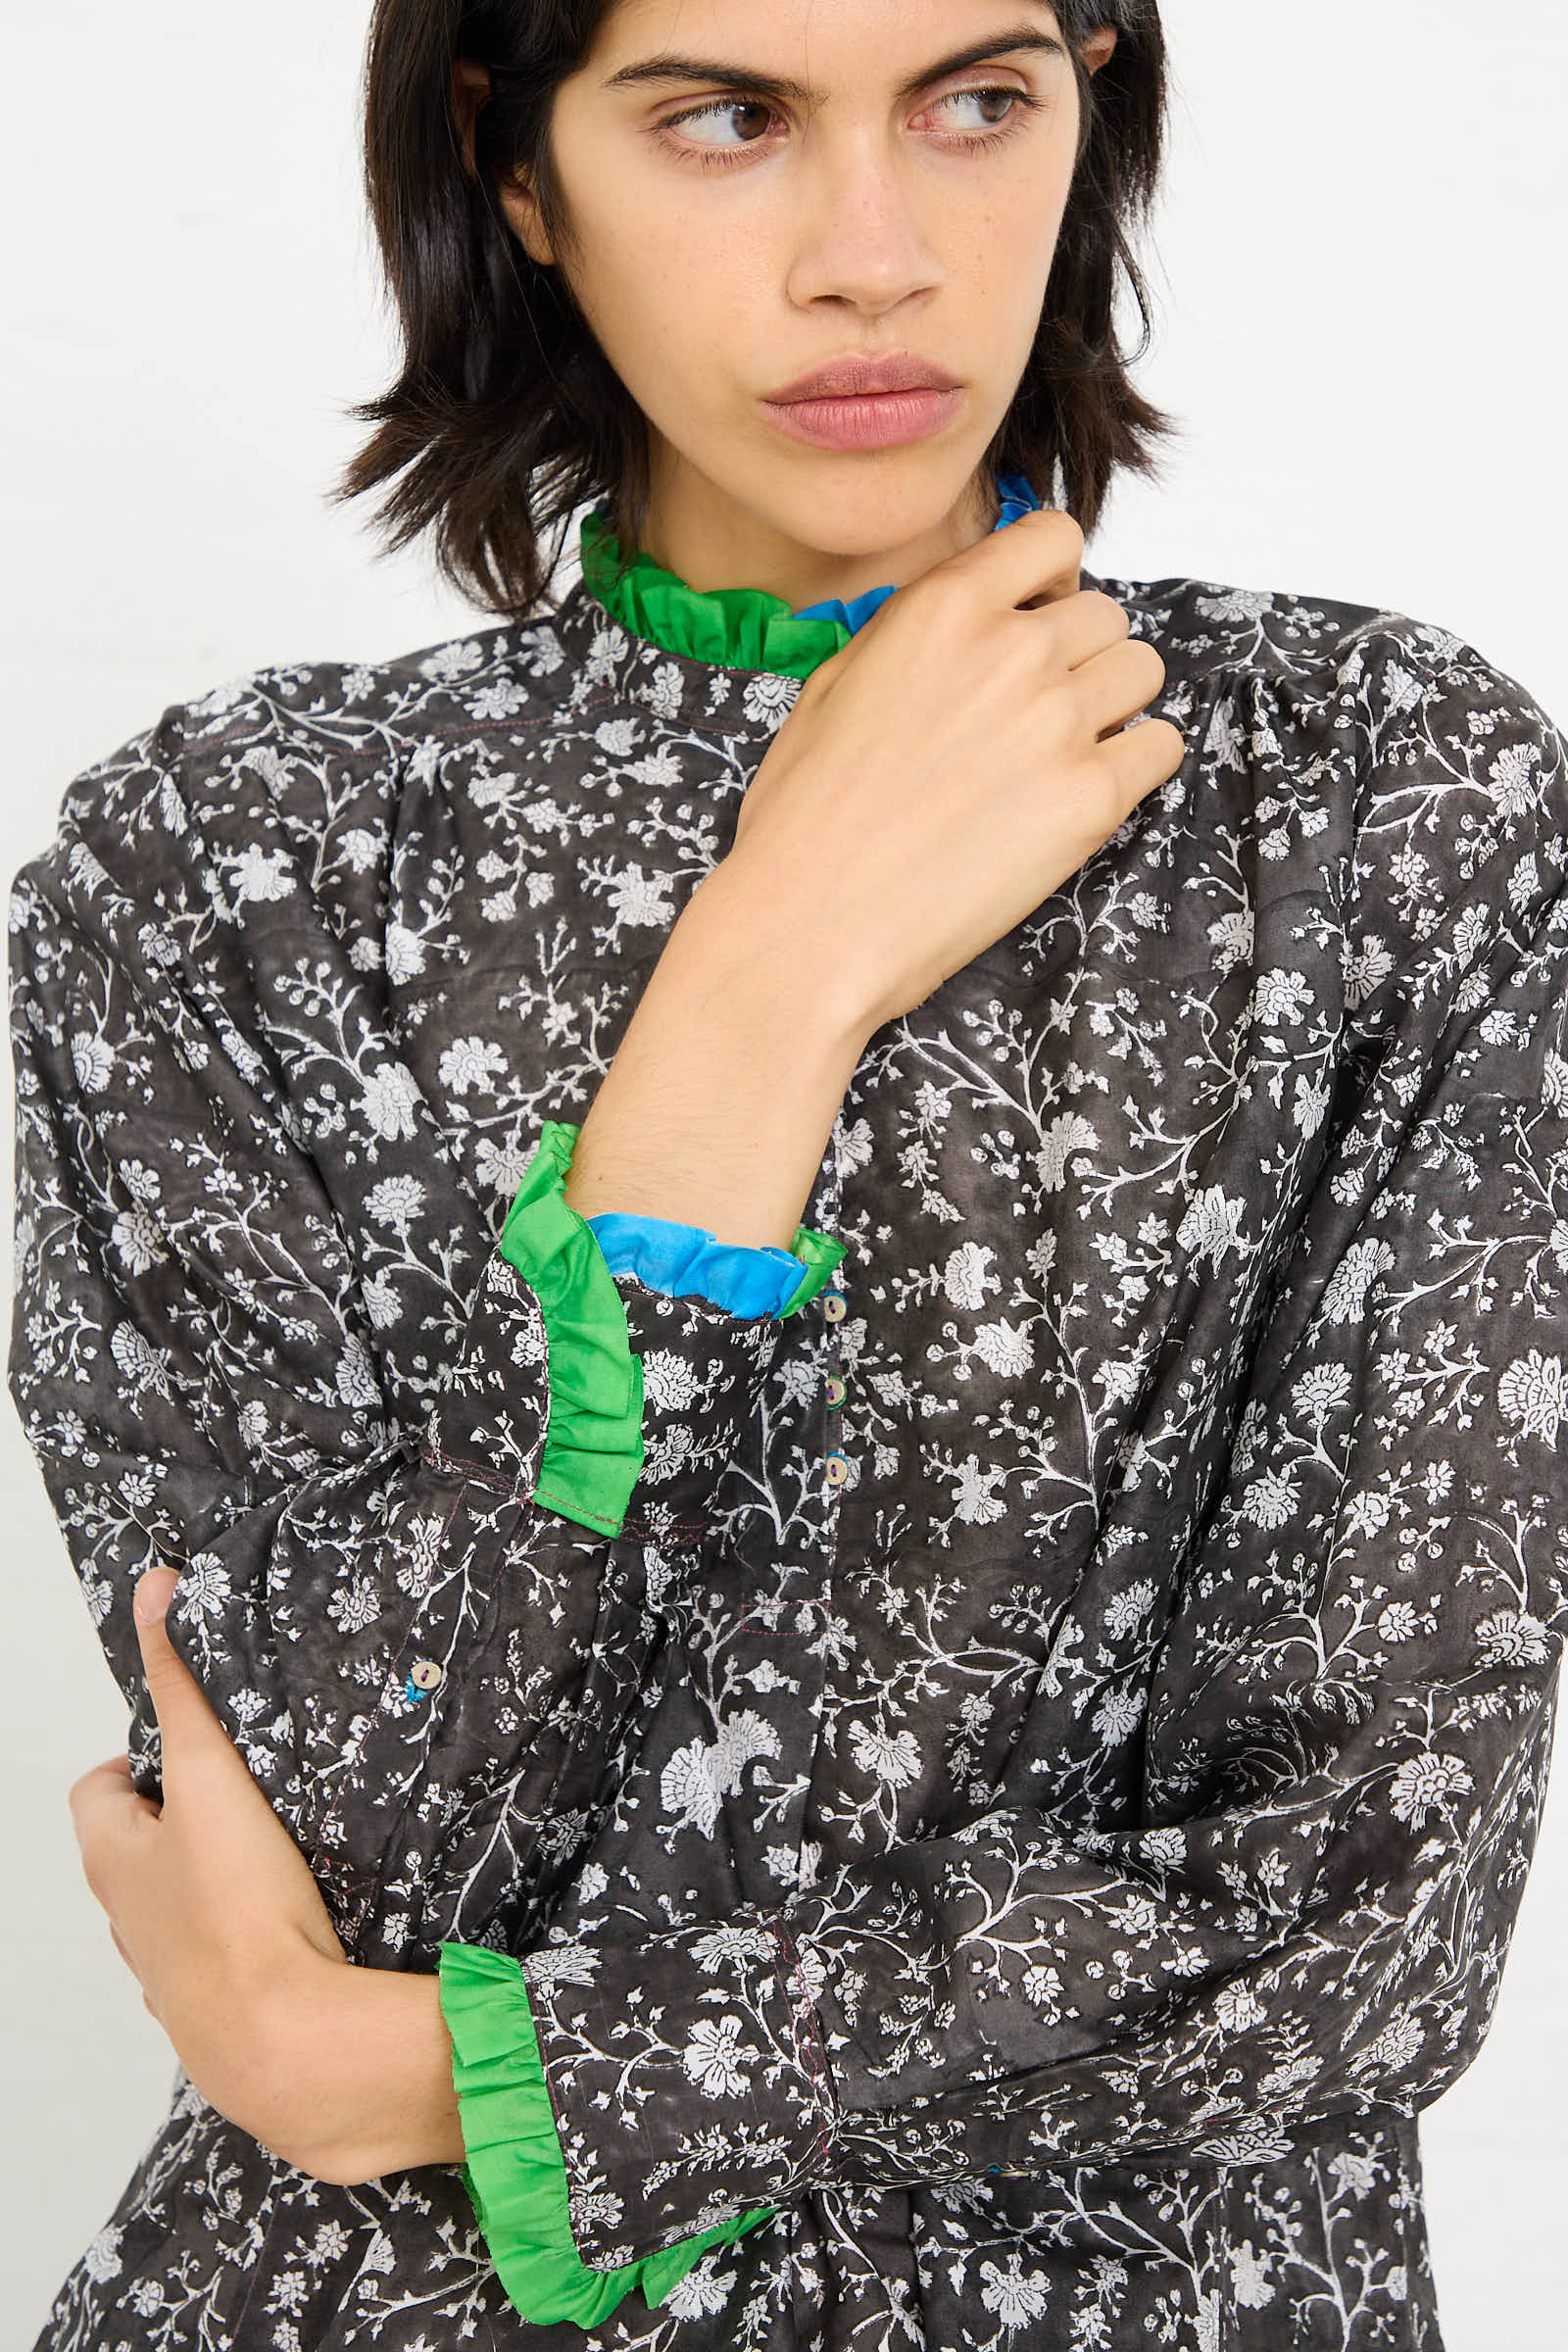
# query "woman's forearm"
(718, 1107)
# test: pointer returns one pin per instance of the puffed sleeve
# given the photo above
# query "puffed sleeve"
(193, 1357)
(1343, 1732)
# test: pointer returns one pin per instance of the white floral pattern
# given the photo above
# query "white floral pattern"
(1052, 1861)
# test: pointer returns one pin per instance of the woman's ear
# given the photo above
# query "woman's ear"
(1097, 47)
(470, 86)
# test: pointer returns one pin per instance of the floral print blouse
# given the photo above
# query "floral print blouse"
(1036, 1787)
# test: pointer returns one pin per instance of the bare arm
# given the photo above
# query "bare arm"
(718, 1105)
(374, 2045)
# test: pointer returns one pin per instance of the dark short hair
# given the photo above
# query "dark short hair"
(506, 416)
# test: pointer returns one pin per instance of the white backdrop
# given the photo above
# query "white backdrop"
(1362, 326)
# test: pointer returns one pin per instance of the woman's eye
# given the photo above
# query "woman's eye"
(1020, 101)
(705, 151)
(704, 114)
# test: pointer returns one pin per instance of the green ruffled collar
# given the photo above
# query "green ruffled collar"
(740, 628)
(734, 628)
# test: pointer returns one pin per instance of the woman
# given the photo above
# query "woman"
(834, 1274)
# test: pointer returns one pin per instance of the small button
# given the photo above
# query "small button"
(837, 1388)
(835, 1305)
(425, 1674)
(835, 1469)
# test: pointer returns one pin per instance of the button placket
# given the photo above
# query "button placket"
(835, 1465)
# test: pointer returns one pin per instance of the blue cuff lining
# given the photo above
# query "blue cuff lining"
(686, 1260)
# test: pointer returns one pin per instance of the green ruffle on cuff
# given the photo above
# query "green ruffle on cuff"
(593, 1452)
(515, 2174)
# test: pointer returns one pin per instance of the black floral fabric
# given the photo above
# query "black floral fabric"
(1039, 1788)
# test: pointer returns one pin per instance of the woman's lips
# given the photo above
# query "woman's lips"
(868, 420)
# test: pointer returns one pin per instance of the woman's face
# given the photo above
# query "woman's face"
(721, 256)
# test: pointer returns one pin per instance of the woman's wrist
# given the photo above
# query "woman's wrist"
(362, 2061)
(718, 1105)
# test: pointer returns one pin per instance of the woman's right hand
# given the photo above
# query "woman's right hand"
(958, 760)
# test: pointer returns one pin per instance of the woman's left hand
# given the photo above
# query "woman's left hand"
(211, 1903)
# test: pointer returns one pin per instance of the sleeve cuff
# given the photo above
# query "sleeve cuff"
(515, 2176)
(593, 1447)
(687, 1260)
(688, 2077)
(705, 1360)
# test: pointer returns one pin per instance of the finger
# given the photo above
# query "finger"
(110, 1821)
(122, 1770)
(1119, 682)
(185, 1719)
(1142, 757)
(1034, 559)
(106, 1794)
(1077, 627)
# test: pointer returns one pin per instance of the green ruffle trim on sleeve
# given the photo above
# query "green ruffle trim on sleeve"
(593, 1451)
(593, 1448)
(737, 628)
(516, 2175)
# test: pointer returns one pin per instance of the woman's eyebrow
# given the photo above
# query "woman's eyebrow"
(668, 68)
